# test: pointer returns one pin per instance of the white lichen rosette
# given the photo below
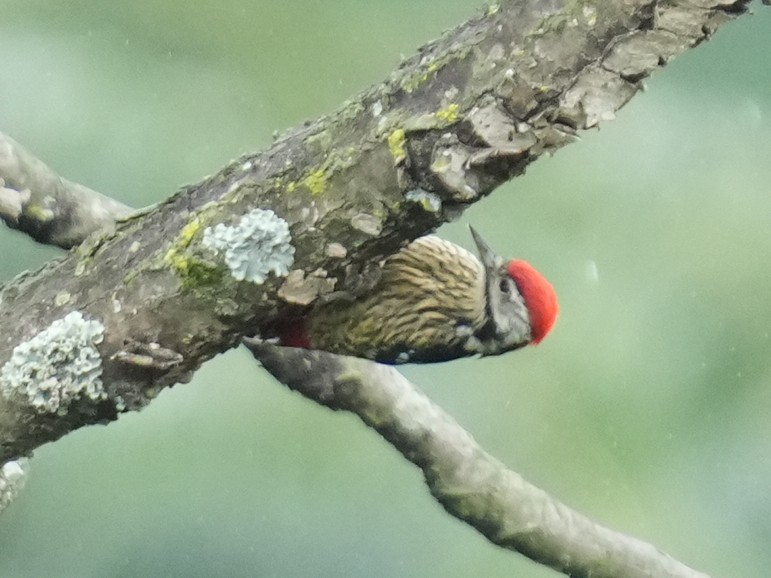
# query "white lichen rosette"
(259, 244)
(58, 365)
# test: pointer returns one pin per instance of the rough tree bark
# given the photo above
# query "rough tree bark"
(140, 307)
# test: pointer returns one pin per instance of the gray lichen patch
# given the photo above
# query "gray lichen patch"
(260, 243)
(60, 364)
(430, 202)
(13, 474)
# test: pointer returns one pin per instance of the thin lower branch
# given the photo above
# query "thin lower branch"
(37, 201)
(470, 484)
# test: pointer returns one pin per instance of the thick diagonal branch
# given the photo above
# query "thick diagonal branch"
(165, 292)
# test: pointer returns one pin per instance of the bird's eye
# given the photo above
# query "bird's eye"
(504, 286)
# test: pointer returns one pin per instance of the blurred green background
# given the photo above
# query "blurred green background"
(648, 408)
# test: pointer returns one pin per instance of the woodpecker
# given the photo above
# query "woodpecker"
(435, 301)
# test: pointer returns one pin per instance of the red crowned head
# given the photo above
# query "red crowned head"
(539, 296)
(522, 304)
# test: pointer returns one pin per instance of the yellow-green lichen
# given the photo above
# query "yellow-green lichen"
(189, 231)
(186, 236)
(195, 274)
(448, 114)
(350, 111)
(321, 140)
(177, 261)
(316, 182)
(412, 82)
(569, 16)
(38, 213)
(200, 274)
(175, 256)
(416, 78)
(396, 142)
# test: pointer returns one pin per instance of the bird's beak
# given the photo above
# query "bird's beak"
(489, 259)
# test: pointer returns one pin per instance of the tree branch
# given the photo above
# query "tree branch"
(50, 209)
(167, 290)
(471, 484)
(143, 306)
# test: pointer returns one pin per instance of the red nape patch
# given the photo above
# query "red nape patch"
(294, 336)
(540, 298)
